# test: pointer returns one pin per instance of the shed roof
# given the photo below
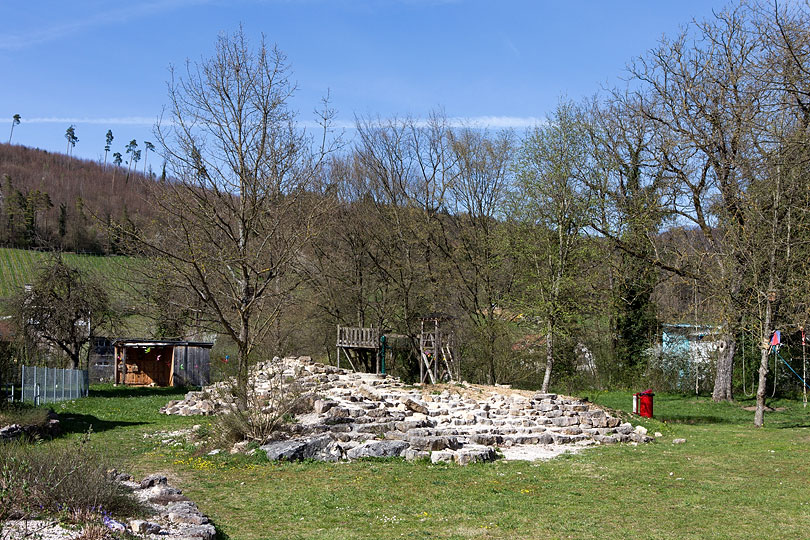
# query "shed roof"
(138, 342)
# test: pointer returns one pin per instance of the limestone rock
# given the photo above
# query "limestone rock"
(321, 406)
(475, 453)
(185, 512)
(412, 454)
(11, 431)
(442, 456)
(378, 449)
(297, 449)
(197, 532)
(434, 442)
(153, 480)
(415, 407)
(141, 526)
(349, 413)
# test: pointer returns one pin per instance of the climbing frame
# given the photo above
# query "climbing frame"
(438, 361)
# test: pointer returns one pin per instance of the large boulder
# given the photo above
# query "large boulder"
(475, 453)
(297, 449)
(378, 449)
(434, 442)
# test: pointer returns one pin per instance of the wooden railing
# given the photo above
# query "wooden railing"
(358, 338)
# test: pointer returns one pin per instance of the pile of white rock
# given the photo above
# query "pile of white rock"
(355, 415)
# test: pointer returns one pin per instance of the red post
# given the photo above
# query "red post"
(645, 405)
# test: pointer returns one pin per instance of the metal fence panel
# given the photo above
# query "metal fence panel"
(49, 385)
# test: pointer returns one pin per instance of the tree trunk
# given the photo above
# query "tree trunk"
(725, 369)
(241, 389)
(549, 359)
(759, 416)
(240, 392)
(491, 361)
(491, 349)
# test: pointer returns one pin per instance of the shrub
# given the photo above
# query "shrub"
(64, 480)
(270, 408)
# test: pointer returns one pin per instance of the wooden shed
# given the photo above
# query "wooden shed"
(149, 362)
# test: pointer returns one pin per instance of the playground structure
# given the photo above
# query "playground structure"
(438, 362)
(365, 349)
(361, 347)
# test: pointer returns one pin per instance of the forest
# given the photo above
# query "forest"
(557, 255)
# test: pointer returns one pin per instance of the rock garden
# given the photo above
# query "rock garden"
(351, 415)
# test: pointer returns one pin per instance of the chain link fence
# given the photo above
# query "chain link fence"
(49, 385)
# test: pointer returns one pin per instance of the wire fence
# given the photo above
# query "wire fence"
(49, 385)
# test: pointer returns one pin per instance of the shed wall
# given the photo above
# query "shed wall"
(192, 366)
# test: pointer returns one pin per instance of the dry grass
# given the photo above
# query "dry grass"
(67, 480)
(23, 415)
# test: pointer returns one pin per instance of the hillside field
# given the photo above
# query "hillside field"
(19, 266)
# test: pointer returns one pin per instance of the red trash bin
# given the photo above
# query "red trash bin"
(645, 403)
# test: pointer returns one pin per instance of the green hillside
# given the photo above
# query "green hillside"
(19, 266)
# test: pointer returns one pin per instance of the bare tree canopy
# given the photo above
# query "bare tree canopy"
(239, 204)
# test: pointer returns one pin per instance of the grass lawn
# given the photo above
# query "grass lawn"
(729, 480)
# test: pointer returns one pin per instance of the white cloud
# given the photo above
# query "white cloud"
(46, 33)
(121, 120)
(479, 122)
(511, 46)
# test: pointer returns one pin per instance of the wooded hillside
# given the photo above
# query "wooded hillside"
(55, 202)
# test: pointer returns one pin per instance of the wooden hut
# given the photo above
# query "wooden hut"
(150, 362)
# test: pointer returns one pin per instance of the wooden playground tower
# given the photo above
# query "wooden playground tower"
(357, 344)
(436, 350)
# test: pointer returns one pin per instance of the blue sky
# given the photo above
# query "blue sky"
(103, 65)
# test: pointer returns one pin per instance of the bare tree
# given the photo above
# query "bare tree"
(778, 239)
(63, 308)
(728, 104)
(699, 93)
(472, 240)
(239, 205)
(407, 168)
(339, 267)
(629, 184)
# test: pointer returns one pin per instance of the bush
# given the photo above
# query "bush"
(270, 408)
(68, 481)
(23, 414)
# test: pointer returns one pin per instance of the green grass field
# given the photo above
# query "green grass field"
(729, 480)
(19, 266)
